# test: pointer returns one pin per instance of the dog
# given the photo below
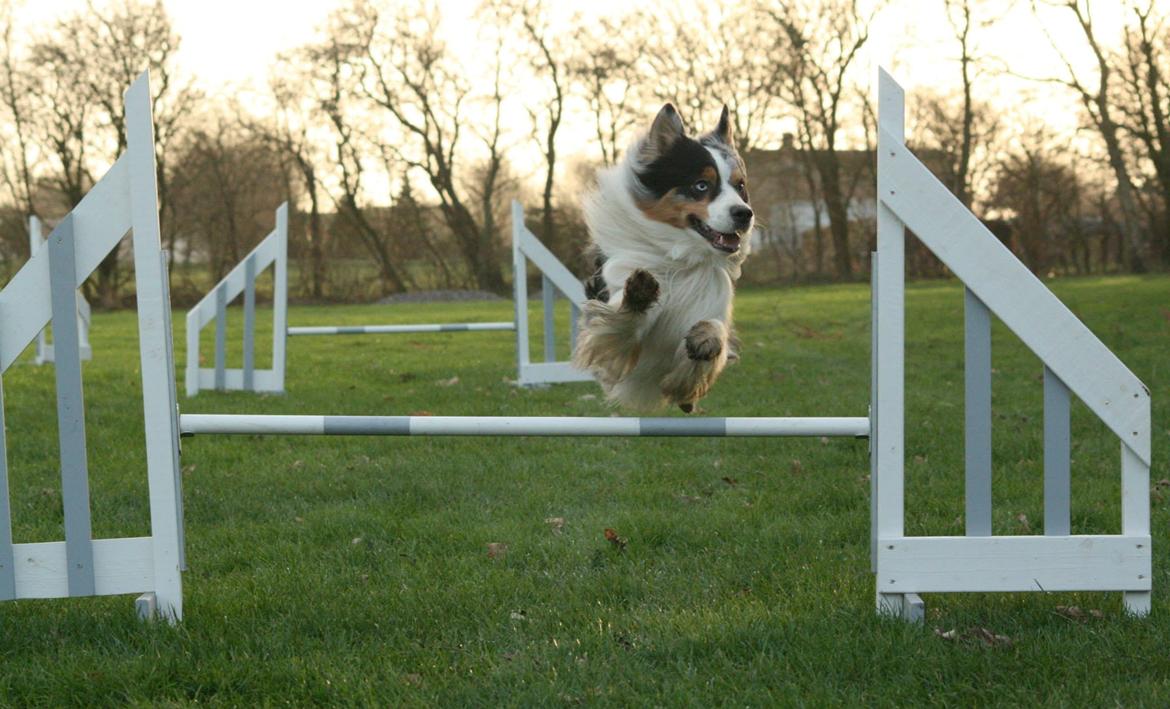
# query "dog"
(670, 227)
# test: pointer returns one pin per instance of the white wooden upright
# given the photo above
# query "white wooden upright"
(124, 200)
(44, 349)
(1075, 362)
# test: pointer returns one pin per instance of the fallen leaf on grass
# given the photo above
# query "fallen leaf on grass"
(730, 480)
(555, 523)
(497, 550)
(973, 636)
(448, 382)
(1077, 613)
(412, 679)
(421, 413)
(587, 397)
(796, 467)
(1023, 520)
(613, 538)
(355, 541)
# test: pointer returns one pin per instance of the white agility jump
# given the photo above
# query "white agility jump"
(1075, 362)
(44, 348)
(273, 251)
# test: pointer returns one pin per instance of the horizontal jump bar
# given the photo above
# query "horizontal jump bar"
(192, 424)
(399, 329)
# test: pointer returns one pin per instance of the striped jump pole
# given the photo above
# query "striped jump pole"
(731, 427)
(400, 329)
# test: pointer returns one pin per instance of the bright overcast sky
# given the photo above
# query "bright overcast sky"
(225, 42)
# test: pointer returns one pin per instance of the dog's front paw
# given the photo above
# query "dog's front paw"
(704, 342)
(641, 291)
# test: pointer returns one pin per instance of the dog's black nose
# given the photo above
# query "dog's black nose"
(742, 216)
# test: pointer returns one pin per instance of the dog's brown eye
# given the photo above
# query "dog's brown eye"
(741, 187)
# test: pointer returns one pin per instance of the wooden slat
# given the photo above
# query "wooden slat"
(120, 566)
(70, 411)
(1026, 563)
(1015, 295)
(99, 222)
(977, 414)
(1057, 457)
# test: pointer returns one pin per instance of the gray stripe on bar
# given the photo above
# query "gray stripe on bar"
(7, 568)
(249, 321)
(70, 412)
(977, 406)
(220, 336)
(366, 425)
(1057, 458)
(682, 427)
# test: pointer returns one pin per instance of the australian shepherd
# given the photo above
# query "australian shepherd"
(670, 227)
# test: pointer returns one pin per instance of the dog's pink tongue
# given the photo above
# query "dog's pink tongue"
(728, 240)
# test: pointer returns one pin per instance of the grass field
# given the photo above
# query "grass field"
(356, 571)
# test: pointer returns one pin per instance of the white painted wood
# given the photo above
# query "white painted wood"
(263, 380)
(99, 222)
(1135, 515)
(1019, 563)
(548, 264)
(399, 329)
(520, 292)
(7, 580)
(889, 412)
(249, 424)
(146, 606)
(271, 251)
(279, 299)
(550, 372)
(265, 253)
(977, 415)
(1014, 294)
(875, 289)
(913, 609)
(157, 366)
(70, 411)
(120, 566)
(548, 302)
(44, 350)
(1057, 457)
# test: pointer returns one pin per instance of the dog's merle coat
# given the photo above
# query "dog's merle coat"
(670, 227)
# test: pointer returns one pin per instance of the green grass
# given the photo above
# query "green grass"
(355, 570)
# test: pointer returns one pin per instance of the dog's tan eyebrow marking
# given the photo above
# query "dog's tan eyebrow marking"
(709, 174)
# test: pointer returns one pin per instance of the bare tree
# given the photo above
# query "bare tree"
(85, 64)
(403, 70)
(1041, 191)
(544, 54)
(700, 59)
(1098, 99)
(288, 130)
(15, 89)
(603, 70)
(1144, 105)
(821, 39)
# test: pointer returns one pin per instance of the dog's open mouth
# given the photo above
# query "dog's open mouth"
(727, 243)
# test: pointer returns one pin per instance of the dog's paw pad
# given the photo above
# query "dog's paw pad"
(641, 291)
(703, 342)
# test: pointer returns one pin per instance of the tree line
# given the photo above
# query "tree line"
(399, 161)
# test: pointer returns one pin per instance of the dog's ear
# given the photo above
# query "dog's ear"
(666, 129)
(724, 131)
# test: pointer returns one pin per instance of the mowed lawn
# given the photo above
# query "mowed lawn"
(443, 571)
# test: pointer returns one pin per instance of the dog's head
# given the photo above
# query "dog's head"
(697, 185)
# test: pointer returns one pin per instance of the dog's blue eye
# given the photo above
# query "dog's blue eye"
(700, 186)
